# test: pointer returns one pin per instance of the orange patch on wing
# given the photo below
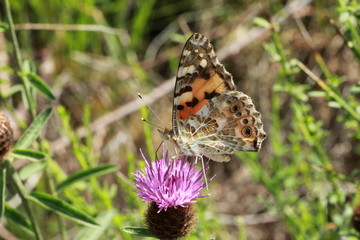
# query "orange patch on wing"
(189, 111)
(199, 87)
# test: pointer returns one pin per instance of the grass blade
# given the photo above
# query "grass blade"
(86, 174)
(40, 86)
(104, 219)
(137, 231)
(28, 154)
(2, 189)
(33, 131)
(62, 208)
(139, 25)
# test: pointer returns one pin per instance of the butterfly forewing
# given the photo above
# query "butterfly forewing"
(200, 77)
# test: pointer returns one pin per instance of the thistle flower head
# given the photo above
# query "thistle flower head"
(172, 185)
(170, 182)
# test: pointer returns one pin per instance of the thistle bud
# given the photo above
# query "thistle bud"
(6, 137)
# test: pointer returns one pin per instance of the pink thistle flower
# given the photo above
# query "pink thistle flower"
(170, 182)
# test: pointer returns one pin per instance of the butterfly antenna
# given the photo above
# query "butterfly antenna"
(139, 95)
(154, 125)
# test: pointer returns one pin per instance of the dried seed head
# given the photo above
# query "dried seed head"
(6, 137)
(174, 223)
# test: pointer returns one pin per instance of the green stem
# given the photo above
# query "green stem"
(2, 189)
(13, 34)
(354, 32)
(18, 56)
(53, 192)
(280, 51)
(51, 184)
(61, 227)
(23, 195)
(341, 101)
(332, 94)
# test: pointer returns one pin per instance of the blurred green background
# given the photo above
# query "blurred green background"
(96, 55)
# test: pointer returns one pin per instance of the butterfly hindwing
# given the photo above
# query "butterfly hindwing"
(227, 124)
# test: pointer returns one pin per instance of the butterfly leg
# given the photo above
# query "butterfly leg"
(157, 149)
(203, 168)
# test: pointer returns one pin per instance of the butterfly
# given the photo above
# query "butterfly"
(209, 116)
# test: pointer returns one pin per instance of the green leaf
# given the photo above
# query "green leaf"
(33, 131)
(15, 216)
(355, 90)
(18, 224)
(104, 219)
(2, 188)
(25, 99)
(40, 86)
(13, 90)
(28, 66)
(4, 26)
(262, 22)
(19, 231)
(28, 154)
(334, 104)
(62, 208)
(30, 169)
(86, 174)
(137, 231)
(317, 94)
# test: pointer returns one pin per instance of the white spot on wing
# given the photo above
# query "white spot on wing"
(185, 97)
(203, 63)
(180, 72)
(212, 54)
(191, 69)
(186, 52)
(184, 71)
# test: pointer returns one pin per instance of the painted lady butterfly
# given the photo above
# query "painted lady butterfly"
(209, 116)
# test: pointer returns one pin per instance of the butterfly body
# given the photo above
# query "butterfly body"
(210, 117)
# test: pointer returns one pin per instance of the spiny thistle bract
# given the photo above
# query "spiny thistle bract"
(174, 223)
(6, 137)
(172, 186)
